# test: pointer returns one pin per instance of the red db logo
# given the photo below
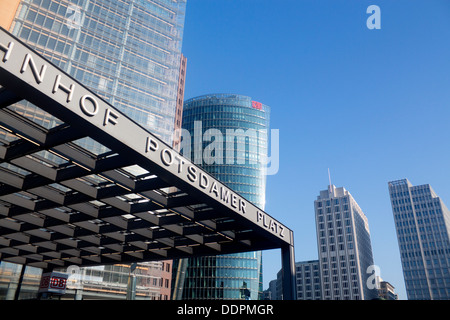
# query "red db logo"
(58, 283)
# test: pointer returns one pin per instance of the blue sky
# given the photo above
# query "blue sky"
(371, 105)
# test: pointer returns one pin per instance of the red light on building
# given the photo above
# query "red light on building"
(257, 105)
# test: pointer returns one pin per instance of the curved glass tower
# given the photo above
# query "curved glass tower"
(229, 139)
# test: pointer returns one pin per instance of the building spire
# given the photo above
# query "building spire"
(330, 187)
(329, 177)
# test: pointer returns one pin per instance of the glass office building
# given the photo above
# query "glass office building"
(10, 274)
(127, 52)
(227, 135)
(422, 222)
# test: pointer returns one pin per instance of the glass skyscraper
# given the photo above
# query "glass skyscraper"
(227, 136)
(127, 52)
(422, 222)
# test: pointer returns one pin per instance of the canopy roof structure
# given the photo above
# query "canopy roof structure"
(136, 200)
(139, 200)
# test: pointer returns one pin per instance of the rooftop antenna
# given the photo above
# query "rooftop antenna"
(329, 180)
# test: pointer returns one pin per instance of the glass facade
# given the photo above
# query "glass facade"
(127, 52)
(9, 281)
(422, 222)
(224, 277)
(113, 282)
(228, 138)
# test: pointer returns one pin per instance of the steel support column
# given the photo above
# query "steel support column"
(289, 290)
(19, 284)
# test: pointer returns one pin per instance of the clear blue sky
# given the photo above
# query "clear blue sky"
(371, 105)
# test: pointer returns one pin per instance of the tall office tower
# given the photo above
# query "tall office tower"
(344, 246)
(180, 102)
(422, 222)
(229, 134)
(129, 53)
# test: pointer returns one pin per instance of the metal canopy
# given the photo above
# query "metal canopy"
(139, 200)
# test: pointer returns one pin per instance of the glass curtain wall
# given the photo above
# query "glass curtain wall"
(234, 142)
(127, 52)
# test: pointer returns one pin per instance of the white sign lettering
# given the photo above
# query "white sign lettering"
(70, 99)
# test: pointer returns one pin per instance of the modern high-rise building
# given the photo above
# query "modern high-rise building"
(127, 52)
(345, 255)
(179, 106)
(422, 222)
(227, 135)
(344, 246)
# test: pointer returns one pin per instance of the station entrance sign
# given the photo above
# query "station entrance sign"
(139, 201)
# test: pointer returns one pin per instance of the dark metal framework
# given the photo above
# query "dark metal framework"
(62, 205)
